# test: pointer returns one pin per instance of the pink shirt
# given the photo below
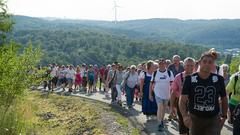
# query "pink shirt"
(177, 84)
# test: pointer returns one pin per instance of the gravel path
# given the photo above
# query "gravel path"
(137, 118)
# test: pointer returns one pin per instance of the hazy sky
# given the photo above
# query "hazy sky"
(128, 10)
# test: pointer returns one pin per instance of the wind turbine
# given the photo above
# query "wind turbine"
(115, 10)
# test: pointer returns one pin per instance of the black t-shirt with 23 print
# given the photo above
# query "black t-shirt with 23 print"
(203, 94)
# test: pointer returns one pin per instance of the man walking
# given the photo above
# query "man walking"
(201, 91)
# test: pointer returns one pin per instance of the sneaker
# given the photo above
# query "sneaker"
(130, 106)
(230, 122)
(113, 102)
(119, 103)
(160, 127)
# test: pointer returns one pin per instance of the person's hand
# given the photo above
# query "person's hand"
(140, 94)
(187, 121)
(151, 97)
(222, 121)
(173, 111)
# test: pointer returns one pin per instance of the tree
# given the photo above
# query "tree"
(234, 66)
(18, 72)
(5, 21)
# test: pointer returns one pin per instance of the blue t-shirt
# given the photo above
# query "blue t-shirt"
(90, 75)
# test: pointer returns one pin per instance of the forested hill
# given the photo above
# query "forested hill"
(129, 42)
(221, 34)
(74, 43)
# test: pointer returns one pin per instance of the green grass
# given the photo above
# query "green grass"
(135, 131)
(52, 114)
(68, 115)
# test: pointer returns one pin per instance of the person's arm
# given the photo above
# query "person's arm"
(224, 106)
(172, 102)
(182, 105)
(175, 88)
(151, 88)
(108, 77)
(141, 86)
(224, 102)
(183, 102)
(230, 85)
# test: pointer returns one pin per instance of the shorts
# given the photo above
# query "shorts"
(54, 80)
(161, 101)
(62, 81)
(205, 126)
(84, 82)
(90, 82)
(69, 80)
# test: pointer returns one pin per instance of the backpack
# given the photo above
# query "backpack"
(111, 81)
(154, 75)
(182, 77)
(235, 83)
(125, 80)
(236, 120)
(218, 69)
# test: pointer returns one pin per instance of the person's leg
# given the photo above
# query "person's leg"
(165, 105)
(128, 95)
(63, 83)
(160, 116)
(160, 106)
(70, 84)
(162, 112)
(132, 95)
(58, 82)
(85, 85)
(214, 126)
(106, 88)
(118, 87)
(49, 84)
(76, 86)
(100, 84)
(183, 130)
(53, 83)
(231, 109)
(95, 85)
(236, 127)
(112, 94)
(91, 86)
(198, 125)
(136, 94)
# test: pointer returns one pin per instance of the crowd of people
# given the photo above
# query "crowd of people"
(199, 94)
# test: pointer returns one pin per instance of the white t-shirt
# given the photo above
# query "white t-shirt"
(132, 79)
(83, 72)
(70, 73)
(54, 72)
(142, 75)
(162, 83)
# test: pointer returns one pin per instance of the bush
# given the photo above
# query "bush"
(18, 73)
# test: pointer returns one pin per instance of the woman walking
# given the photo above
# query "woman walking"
(148, 107)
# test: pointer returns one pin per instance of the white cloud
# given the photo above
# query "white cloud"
(130, 9)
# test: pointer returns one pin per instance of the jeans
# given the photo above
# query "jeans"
(119, 92)
(114, 93)
(236, 127)
(100, 84)
(130, 95)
